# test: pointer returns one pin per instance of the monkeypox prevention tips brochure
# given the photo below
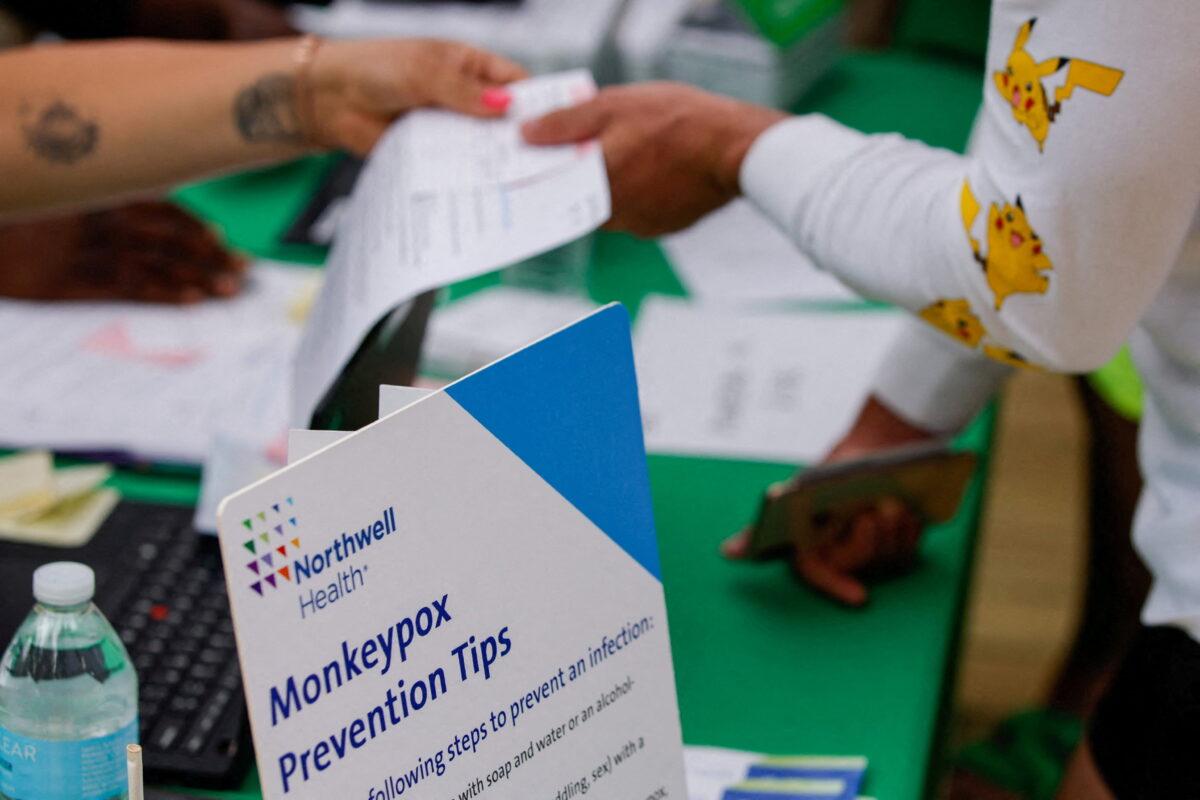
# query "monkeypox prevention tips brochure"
(464, 599)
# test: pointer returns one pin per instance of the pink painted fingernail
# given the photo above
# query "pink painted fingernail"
(497, 98)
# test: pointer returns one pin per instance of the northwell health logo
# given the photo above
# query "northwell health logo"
(274, 538)
(321, 577)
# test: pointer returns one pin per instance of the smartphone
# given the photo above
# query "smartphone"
(930, 478)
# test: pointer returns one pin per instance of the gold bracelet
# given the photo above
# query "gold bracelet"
(306, 112)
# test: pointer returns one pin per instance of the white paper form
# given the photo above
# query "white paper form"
(737, 256)
(477, 330)
(443, 198)
(154, 381)
(757, 385)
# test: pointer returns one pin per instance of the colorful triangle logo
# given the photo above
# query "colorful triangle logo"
(257, 587)
(286, 573)
(249, 525)
(293, 521)
(296, 543)
(264, 537)
(289, 502)
(275, 507)
(282, 550)
(271, 580)
(279, 529)
(249, 545)
(262, 516)
(268, 560)
(254, 566)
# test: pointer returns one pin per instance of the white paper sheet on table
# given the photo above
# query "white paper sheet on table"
(736, 255)
(444, 198)
(477, 330)
(759, 385)
(156, 382)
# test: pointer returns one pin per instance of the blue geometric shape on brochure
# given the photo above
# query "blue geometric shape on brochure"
(568, 407)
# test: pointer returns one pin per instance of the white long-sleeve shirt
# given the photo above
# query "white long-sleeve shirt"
(1062, 233)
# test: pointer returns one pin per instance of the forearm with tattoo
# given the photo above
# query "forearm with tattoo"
(58, 133)
(266, 111)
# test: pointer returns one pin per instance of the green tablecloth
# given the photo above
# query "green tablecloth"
(761, 663)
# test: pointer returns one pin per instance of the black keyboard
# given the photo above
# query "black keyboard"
(162, 587)
(174, 619)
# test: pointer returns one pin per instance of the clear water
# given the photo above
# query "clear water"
(66, 678)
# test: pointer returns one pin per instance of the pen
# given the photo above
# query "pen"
(133, 759)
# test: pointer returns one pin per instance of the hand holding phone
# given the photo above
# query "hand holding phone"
(855, 518)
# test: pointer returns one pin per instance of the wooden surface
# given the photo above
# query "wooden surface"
(1029, 569)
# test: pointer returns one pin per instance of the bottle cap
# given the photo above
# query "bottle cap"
(64, 583)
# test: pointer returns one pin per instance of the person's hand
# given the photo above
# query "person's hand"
(878, 541)
(358, 88)
(148, 252)
(673, 152)
(209, 19)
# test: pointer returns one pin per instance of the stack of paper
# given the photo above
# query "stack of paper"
(544, 35)
(717, 774)
(644, 32)
(719, 49)
(754, 385)
(57, 507)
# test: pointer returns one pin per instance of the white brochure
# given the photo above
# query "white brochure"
(464, 598)
(445, 197)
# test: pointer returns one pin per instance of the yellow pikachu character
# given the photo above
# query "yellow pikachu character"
(1015, 260)
(1006, 356)
(955, 319)
(1020, 83)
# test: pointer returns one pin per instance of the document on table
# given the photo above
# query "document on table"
(156, 382)
(443, 198)
(759, 385)
(477, 330)
(737, 256)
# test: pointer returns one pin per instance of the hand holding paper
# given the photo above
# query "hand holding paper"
(673, 151)
(369, 83)
(443, 198)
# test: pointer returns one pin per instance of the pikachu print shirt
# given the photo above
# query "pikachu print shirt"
(1065, 231)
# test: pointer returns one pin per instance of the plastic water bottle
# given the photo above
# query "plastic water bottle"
(68, 696)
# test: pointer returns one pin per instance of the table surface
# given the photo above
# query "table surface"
(761, 663)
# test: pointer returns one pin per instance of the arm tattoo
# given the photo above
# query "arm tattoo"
(265, 111)
(59, 134)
